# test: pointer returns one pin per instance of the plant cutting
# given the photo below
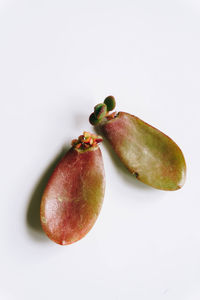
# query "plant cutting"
(73, 197)
(149, 154)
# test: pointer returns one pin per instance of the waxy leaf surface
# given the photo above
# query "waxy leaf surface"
(148, 153)
(73, 197)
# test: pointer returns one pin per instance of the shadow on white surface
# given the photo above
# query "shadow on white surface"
(33, 211)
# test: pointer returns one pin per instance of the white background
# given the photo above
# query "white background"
(57, 60)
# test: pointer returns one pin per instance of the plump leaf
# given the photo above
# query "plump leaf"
(148, 153)
(74, 194)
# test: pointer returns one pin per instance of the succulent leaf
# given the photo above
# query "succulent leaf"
(147, 152)
(110, 103)
(74, 194)
(100, 111)
(93, 120)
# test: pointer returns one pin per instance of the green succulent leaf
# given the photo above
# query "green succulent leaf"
(100, 111)
(110, 103)
(147, 152)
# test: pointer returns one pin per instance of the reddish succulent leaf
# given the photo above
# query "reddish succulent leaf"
(73, 196)
(150, 154)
